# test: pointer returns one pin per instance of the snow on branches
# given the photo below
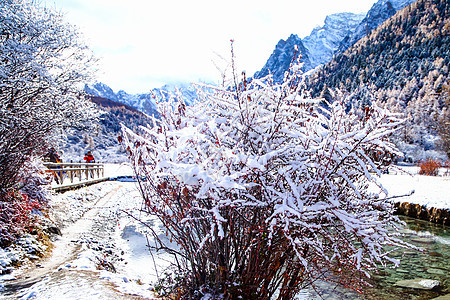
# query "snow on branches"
(42, 63)
(266, 190)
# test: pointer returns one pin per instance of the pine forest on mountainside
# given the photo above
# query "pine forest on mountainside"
(403, 64)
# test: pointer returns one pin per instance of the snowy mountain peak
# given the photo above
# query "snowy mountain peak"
(317, 48)
(292, 40)
(100, 89)
(324, 40)
(279, 61)
(145, 102)
(339, 32)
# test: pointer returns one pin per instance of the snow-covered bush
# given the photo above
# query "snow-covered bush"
(34, 182)
(42, 62)
(15, 208)
(265, 190)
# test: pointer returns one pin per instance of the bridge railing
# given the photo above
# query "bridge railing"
(75, 172)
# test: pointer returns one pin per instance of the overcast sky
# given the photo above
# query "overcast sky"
(145, 44)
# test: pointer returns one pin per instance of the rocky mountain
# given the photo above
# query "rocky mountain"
(339, 32)
(380, 12)
(144, 102)
(281, 58)
(404, 65)
(323, 41)
(315, 49)
(100, 89)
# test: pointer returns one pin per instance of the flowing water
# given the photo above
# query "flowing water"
(431, 263)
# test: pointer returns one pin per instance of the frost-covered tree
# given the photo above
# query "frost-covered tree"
(42, 63)
(444, 122)
(266, 191)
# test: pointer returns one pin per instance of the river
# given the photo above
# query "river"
(433, 262)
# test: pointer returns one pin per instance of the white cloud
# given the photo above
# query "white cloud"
(144, 44)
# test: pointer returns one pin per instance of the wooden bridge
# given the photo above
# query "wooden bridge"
(73, 175)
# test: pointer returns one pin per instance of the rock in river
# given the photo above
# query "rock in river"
(418, 283)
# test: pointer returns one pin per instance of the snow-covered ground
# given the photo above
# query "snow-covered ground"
(103, 252)
(430, 191)
(113, 170)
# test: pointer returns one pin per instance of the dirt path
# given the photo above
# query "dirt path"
(60, 276)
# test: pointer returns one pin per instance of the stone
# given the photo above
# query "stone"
(418, 283)
(436, 271)
(412, 253)
(435, 254)
(402, 271)
(424, 241)
(53, 230)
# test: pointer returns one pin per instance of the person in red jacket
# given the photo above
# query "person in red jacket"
(88, 157)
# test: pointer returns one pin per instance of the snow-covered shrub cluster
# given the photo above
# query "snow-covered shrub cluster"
(30, 192)
(15, 208)
(42, 59)
(265, 190)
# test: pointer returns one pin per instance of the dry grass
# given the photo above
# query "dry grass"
(430, 167)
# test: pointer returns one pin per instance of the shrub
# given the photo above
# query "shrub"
(430, 167)
(15, 211)
(265, 190)
(30, 192)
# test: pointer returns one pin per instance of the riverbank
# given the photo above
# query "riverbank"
(419, 196)
(417, 211)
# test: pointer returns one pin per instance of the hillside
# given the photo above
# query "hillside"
(404, 65)
(339, 32)
(101, 137)
(379, 12)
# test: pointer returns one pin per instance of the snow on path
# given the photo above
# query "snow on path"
(96, 233)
